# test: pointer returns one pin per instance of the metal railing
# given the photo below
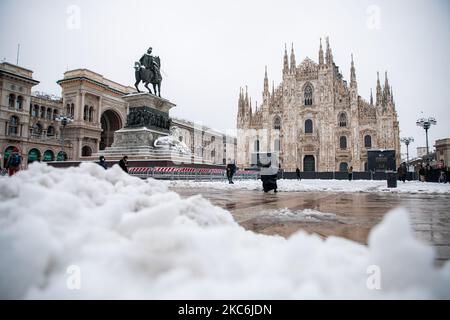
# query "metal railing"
(181, 173)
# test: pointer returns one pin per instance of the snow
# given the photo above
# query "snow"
(132, 238)
(311, 185)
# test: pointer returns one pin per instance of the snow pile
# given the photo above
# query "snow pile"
(313, 185)
(135, 239)
(307, 215)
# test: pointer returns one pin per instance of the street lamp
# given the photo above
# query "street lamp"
(407, 141)
(426, 124)
(64, 122)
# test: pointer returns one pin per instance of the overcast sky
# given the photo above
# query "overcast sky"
(211, 48)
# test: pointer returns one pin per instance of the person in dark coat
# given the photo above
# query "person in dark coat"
(422, 173)
(123, 163)
(269, 174)
(297, 171)
(102, 162)
(350, 173)
(231, 170)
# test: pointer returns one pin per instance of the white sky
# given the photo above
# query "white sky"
(211, 48)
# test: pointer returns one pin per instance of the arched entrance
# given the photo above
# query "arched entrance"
(6, 154)
(48, 156)
(309, 164)
(343, 166)
(111, 122)
(86, 151)
(62, 156)
(34, 155)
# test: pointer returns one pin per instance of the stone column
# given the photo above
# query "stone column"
(81, 110)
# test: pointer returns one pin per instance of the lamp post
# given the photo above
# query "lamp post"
(426, 124)
(407, 141)
(64, 122)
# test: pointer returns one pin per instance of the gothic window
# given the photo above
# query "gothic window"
(343, 142)
(13, 125)
(308, 126)
(368, 142)
(277, 123)
(342, 119)
(308, 95)
(11, 101)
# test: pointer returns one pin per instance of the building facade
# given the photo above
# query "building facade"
(315, 120)
(95, 104)
(443, 151)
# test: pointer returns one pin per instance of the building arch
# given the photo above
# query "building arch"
(86, 151)
(343, 167)
(49, 155)
(62, 156)
(110, 122)
(34, 155)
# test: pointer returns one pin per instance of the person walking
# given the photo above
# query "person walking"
(421, 173)
(231, 170)
(102, 162)
(350, 173)
(13, 163)
(123, 163)
(401, 172)
(297, 171)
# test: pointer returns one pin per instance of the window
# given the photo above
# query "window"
(11, 101)
(55, 114)
(49, 114)
(342, 119)
(50, 131)
(19, 103)
(213, 154)
(35, 112)
(68, 110)
(308, 126)
(343, 142)
(91, 114)
(37, 130)
(308, 95)
(86, 113)
(13, 126)
(277, 123)
(43, 112)
(368, 142)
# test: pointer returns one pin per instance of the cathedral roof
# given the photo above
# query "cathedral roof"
(308, 65)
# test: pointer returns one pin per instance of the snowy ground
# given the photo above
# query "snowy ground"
(322, 185)
(130, 238)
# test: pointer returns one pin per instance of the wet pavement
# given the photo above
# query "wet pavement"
(348, 215)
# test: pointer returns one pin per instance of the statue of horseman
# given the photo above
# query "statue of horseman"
(148, 71)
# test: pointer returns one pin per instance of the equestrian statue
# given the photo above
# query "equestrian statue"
(147, 70)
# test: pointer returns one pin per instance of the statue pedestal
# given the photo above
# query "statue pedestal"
(148, 119)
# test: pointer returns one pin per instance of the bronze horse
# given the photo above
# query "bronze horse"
(149, 76)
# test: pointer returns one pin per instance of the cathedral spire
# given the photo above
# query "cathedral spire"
(293, 64)
(320, 53)
(266, 83)
(285, 61)
(387, 90)
(352, 73)
(273, 89)
(371, 97)
(329, 54)
(379, 94)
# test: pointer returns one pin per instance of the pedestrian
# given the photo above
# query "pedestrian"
(14, 161)
(297, 171)
(231, 170)
(102, 162)
(421, 173)
(350, 173)
(123, 163)
(401, 172)
(269, 174)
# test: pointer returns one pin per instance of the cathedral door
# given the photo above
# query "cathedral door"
(309, 164)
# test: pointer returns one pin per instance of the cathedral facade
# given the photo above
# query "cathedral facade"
(316, 121)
